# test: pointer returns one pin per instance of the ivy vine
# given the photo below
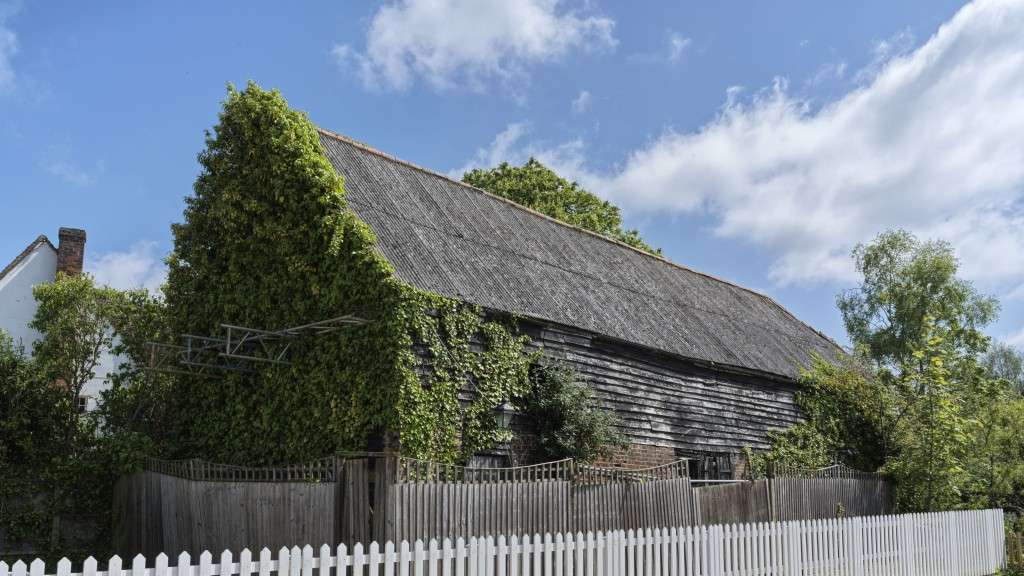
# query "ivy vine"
(268, 200)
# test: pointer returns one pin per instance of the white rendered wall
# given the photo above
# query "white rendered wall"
(17, 306)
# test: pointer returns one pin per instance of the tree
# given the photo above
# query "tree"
(917, 399)
(136, 412)
(932, 434)
(57, 465)
(1006, 363)
(995, 456)
(566, 420)
(905, 281)
(73, 317)
(538, 187)
(32, 430)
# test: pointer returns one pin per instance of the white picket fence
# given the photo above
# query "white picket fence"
(940, 544)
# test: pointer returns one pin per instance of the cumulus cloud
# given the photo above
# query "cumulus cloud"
(1016, 339)
(8, 46)
(567, 158)
(467, 42)
(140, 267)
(930, 141)
(581, 103)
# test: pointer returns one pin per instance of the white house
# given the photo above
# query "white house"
(38, 263)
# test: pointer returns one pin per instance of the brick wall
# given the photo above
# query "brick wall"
(70, 251)
(640, 456)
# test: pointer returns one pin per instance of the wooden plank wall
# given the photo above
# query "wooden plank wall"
(665, 401)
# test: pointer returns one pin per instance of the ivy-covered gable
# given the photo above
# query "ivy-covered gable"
(269, 241)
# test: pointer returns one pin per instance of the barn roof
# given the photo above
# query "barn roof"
(455, 240)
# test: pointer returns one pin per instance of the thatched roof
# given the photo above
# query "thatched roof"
(455, 240)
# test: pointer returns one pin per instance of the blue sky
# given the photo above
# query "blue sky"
(756, 141)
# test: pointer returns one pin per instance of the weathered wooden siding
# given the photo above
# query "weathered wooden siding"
(666, 401)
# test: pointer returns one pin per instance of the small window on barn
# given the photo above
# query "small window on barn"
(709, 465)
(82, 404)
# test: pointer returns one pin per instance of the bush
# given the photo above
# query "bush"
(565, 418)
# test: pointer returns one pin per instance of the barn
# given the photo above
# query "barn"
(694, 366)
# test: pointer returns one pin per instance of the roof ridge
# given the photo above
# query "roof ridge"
(392, 158)
(24, 253)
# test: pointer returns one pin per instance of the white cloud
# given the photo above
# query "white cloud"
(140, 267)
(1016, 339)
(677, 44)
(929, 141)
(466, 42)
(581, 103)
(8, 45)
(566, 159)
(828, 72)
(72, 173)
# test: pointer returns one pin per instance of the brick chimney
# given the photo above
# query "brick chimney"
(70, 251)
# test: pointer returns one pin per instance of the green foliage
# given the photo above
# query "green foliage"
(136, 412)
(904, 282)
(566, 420)
(32, 431)
(57, 466)
(1005, 362)
(845, 421)
(72, 314)
(538, 187)
(269, 242)
(943, 421)
(932, 434)
(995, 455)
(462, 350)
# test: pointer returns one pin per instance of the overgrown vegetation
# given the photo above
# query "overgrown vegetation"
(57, 464)
(536, 186)
(268, 241)
(564, 419)
(919, 398)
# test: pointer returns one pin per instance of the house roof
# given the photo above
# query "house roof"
(459, 241)
(42, 239)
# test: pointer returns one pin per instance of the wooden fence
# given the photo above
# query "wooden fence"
(939, 544)
(193, 506)
(798, 494)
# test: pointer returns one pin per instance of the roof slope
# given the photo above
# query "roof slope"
(41, 239)
(455, 240)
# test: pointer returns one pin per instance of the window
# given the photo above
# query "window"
(82, 404)
(709, 465)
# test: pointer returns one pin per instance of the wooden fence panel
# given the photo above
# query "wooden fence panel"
(733, 503)
(192, 506)
(160, 513)
(810, 498)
